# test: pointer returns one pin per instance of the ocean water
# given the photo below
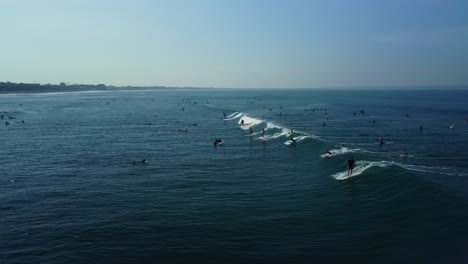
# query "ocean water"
(69, 192)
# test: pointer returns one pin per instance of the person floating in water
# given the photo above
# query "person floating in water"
(140, 162)
(263, 132)
(381, 141)
(404, 154)
(350, 163)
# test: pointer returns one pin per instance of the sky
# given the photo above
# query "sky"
(235, 43)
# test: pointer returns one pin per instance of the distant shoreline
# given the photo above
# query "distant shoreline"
(32, 88)
(13, 88)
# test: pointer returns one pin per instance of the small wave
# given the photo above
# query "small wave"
(363, 165)
(248, 122)
(360, 168)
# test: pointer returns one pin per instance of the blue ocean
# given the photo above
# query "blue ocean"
(134, 177)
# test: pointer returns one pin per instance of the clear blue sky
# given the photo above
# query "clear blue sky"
(235, 43)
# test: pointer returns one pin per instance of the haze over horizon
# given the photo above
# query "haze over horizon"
(235, 44)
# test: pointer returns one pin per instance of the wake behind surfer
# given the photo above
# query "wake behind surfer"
(350, 163)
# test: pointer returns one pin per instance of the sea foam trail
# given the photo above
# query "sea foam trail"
(364, 165)
(341, 151)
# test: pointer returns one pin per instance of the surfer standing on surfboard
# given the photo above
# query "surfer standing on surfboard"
(350, 163)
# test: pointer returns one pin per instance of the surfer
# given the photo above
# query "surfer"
(350, 163)
(7, 123)
(218, 141)
(323, 124)
(224, 115)
(250, 131)
(420, 129)
(263, 132)
(291, 132)
(328, 153)
(242, 122)
(292, 140)
(381, 141)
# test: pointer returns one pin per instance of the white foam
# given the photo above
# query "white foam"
(248, 122)
(283, 131)
(233, 116)
(297, 139)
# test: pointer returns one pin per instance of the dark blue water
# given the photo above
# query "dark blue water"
(70, 194)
